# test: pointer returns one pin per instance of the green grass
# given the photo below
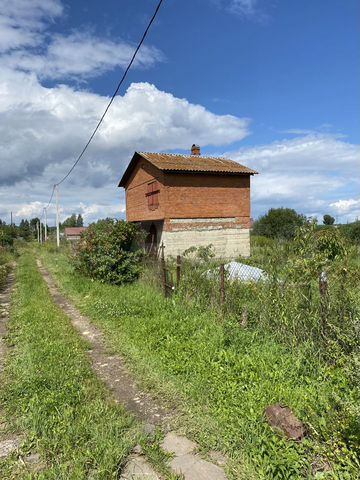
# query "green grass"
(6, 257)
(221, 377)
(51, 396)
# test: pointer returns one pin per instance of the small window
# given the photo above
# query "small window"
(153, 195)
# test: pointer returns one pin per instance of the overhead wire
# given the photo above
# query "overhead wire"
(51, 197)
(110, 102)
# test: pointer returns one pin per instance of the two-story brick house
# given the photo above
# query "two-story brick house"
(189, 200)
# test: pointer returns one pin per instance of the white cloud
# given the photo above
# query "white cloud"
(248, 9)
(243, 7)
(43, 127)
(346, 206)
(33, 209)
(80, 55)
(309, 153)
(348, 210)
(22, 21)
(93, 211)
(308, 173)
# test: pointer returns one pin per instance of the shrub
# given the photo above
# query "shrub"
(6, 236)
(352, 232)
(279, 223)
(109, 251)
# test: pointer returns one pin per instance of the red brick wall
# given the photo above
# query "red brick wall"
(136, 200)
(207, 196)
(188, 195)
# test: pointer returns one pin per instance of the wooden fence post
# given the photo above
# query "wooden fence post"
(222, 284)
(178, 270)
(323, 289)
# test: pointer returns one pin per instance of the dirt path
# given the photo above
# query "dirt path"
(110, 368)
(5, 297)
(113, 372)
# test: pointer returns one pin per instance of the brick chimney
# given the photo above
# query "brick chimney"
(195, 149)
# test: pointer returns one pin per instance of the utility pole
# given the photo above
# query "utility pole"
(11, 219)
(57, 217)
(45, 215)
(41, 234)
(38, 231)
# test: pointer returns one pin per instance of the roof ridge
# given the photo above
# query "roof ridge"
(186, 156)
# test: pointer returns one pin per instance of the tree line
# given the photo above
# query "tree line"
(27, 229)
(282, 223)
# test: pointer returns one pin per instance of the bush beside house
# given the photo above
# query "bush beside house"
(109, 251)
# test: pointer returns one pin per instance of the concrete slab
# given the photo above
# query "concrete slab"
(195, 468)
(9, 446)
(177, 444)
(138, 468)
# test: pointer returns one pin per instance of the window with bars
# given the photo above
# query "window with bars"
(152, 194)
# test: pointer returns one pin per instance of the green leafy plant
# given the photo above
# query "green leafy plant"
(109, 250)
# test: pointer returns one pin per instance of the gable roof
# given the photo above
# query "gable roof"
(74, 230)
(175, 163)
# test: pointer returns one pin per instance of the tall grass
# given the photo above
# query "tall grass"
(288, 306)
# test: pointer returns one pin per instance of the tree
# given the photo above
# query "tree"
(70, 221)
(24, 229)
(79, 221)
(33, 226)
(73, 221)
(328, 220)
(279, 223)
(7, 234)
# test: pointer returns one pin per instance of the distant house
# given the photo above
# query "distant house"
(189, 200)
(73, 233)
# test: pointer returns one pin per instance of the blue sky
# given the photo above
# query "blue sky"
(271, 84)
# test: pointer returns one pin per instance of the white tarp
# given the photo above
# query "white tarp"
(244, 273)
(239, 271)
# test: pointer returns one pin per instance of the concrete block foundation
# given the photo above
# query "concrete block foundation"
(227, 236)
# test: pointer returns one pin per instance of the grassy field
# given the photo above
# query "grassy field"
(51, 396)
(221, 376)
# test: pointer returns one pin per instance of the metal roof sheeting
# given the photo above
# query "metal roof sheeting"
(176, 163)
(194, 163)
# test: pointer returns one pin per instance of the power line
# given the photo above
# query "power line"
(110, 102)
(51, 197)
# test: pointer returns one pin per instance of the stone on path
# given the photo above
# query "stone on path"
(186, 462)
(138, 468)
(177, 444)
(195, 468)
(9, 446)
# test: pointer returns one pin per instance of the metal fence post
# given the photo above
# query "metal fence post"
(163, 268)
(222, 284)
(178, 270)
(323, 289)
